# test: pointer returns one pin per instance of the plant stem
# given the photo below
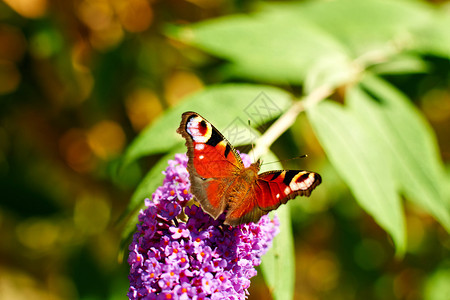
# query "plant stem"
(356, 70)
(264, 142)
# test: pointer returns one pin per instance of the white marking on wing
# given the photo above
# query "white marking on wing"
(192, 129)
(199, 147)
(302, 185)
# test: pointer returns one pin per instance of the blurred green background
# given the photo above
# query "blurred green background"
(79, 80)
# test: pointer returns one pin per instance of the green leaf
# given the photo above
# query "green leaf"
(401, 64)
(275, 46)
(283, 42)
(413, 147)
(434, 37)
(278, 264)
(383, 148)
(223, 105)
(367, 25)
(350, 146)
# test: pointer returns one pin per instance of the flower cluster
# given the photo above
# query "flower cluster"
(180, 252)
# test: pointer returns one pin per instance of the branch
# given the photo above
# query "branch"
(357, 68)
(264, 142)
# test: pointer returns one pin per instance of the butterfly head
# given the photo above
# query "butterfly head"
(257, 164)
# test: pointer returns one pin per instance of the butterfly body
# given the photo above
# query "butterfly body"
(220, 182)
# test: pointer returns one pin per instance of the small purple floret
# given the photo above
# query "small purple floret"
(180, 252)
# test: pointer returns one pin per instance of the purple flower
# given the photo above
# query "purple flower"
(180, 252)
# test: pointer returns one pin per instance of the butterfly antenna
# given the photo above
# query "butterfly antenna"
(284, 160)
(253, 145)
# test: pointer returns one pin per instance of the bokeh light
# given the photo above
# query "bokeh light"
(28, 8)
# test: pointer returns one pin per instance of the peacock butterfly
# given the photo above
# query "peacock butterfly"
(220, 182)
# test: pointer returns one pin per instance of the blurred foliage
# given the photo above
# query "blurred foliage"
(81, 80)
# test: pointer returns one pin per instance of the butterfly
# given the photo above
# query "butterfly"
(221, 183)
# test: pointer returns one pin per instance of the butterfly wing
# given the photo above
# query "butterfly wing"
(213, 163)
(277, 187)
(272, 189)
(246, 210)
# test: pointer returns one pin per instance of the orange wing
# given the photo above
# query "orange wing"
(272, 189)
(213, 163)
(277, 187)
